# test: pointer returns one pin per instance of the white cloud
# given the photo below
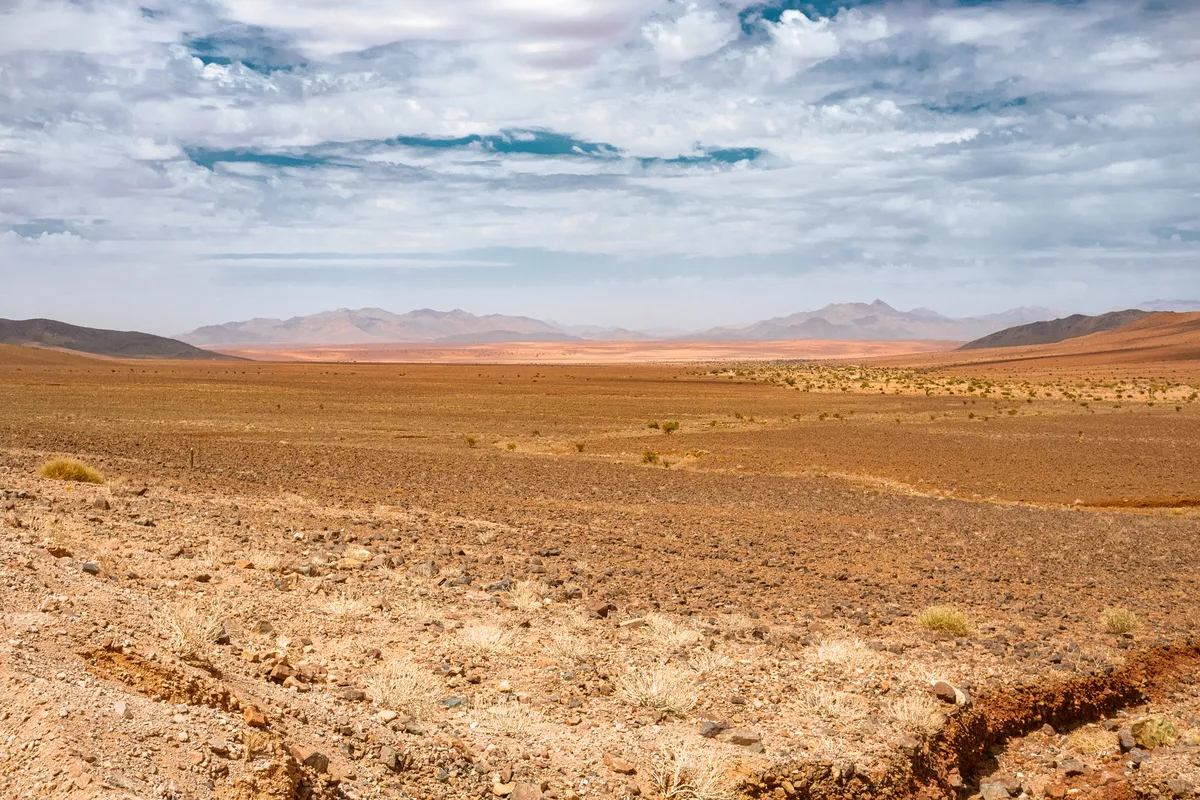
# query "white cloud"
(1011, 134)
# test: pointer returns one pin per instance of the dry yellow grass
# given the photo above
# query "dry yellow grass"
(69, 469)
(485, 640)
(945, 619)
(1119, 620)
(681, 774)
(191, 627)
(659, 687)
(402, 686)
(919, 714)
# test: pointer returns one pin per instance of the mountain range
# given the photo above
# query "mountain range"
(848, 321)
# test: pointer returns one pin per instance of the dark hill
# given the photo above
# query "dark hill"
(1057, 330)
(99, 342)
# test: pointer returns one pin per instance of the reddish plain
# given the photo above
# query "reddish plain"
(458, 580)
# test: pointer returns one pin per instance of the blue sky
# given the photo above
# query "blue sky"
(633, 162)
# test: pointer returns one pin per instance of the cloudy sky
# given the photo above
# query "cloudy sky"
(171, 163)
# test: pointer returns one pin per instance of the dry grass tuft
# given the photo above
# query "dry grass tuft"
(1119, 620)
(528, 595)
(510, 718)
(829, 704)
(944, 619)
(401, 686)
(680, 774)
(266, 560)
(343, 607)
(659, 687)
(849, 654)
(709, 661)
(68, 469)
(192, 627)
(566, 649)
(485, 640)
(919, 714)
(669, 633)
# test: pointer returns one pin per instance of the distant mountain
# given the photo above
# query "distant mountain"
(1057, 330)
(873, 321)
(852, 321)
(117, 344)
(368, 325)
(1184, 306)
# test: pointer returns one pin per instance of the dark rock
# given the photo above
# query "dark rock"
(1072, 767)
(389, 758)
(310, 757)
(91, 568)
(600, 609)
(1125, 740)
(945, 692)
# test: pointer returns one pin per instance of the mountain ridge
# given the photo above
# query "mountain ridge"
(847, 321)
(51, 333)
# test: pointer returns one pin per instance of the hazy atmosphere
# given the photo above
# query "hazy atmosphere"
(635, 163)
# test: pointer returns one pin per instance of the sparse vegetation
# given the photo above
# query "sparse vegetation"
(403, 687)
(485, 640)
(919, 714)
(472, 441)
(660, 687)
(69, 469)
(670, 427)
(579, 446)
(682, 774)
(191, 627)
(1119, 620)
(649, 457)
(945, 619)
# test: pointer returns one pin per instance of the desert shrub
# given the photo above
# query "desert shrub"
(919, 714)
(649, 457)
(528, 595)
(1119, 620)
(659, 687)
(670, 427)
(485, 640)
(401, 686)
(653, 424)
(471, 441)
(944, 619)
(68, 469)
(669, 633)
(344, 607)
(680, 774)
(830, 704)
(510, 718)
(511, 446)
(192, 627)
(579, 446)
(846, 654)
(567, 649)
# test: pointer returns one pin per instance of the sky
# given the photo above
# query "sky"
(166, 164)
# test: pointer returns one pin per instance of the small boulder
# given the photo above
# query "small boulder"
(1151, 732)
(945, 692)
(993, 790)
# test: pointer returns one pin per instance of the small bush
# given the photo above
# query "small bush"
(579, 446)
(649, 457)
(684, 775)
(402, 687)
(471, 441)
(191, 628)
(919, 714)
(944, 619)
(670, 427)
(485, 640)
(68, 469)
(653, 424)
(511, 446)
(659, 687)
(1119, 620)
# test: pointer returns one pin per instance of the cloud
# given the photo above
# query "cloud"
(903, 135)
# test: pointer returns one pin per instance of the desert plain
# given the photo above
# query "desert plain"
(934, 575)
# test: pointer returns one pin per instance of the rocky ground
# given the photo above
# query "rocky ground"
(585, 626)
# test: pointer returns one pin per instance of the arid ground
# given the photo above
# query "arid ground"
(910, 578)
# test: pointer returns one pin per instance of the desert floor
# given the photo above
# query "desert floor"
(462, 580)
